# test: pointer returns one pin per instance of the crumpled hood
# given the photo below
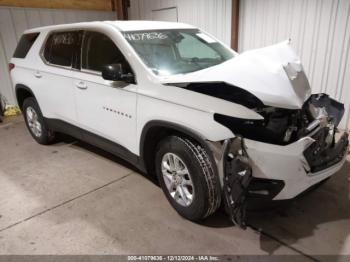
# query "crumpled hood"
(273, 74)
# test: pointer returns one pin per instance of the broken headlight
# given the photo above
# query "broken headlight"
(277, 127)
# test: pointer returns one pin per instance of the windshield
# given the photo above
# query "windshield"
(179, 51)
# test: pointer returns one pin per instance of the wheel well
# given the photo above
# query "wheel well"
(151, 139)
(22, 92)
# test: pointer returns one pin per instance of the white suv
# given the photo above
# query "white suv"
(213, 125)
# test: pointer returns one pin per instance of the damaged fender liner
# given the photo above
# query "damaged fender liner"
(239, 186)
(237, 177)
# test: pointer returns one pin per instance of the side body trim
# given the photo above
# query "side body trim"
(98, 141)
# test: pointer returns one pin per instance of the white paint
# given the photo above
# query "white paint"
(211, 16)
(91, 103)
(287, 163)
(320, 33)
(148, 25)
(260, 72)
(13, 21)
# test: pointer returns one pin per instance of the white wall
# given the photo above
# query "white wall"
(13, 21)
(165, 14)
(213, 16)
(320, 32)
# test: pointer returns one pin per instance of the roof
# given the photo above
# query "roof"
(133, 25)
(148, 25)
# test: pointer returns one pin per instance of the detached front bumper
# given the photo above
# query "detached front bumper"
(252, 169)
(289, 164)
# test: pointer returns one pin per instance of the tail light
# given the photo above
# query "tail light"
(11, 66)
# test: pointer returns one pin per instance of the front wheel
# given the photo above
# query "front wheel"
(187, 177)
(35, 122)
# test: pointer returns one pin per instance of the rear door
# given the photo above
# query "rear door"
(56, 94)
(105, 108)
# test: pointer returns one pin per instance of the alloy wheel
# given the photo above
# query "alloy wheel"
(177, 179)
(33, 122)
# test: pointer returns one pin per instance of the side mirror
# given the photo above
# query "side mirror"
(114, 72)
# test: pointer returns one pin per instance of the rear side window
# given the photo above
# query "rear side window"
(24, 44)
(61, 48)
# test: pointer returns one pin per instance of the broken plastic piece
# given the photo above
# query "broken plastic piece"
(238, 175)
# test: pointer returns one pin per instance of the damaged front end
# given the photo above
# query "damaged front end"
(237, 177)
(326, 114)
(284, 138)
(310, 131)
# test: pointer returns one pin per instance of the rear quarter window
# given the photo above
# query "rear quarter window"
(24, 45)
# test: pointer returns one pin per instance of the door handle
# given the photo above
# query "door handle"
(37, 74)
(81, 85)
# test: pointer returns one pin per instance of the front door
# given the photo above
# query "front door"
(105, 108)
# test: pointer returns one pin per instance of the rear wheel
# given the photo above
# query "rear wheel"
(187, 177)
(35, 122)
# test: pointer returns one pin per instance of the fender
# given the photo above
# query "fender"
(22, 86)
(170, 125)
(179, 128)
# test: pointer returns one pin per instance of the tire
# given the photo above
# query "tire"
(205, 189)
(33, 117)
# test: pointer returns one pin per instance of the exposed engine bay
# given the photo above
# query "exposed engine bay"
(280, 126)
(318, 118)
(283, 126)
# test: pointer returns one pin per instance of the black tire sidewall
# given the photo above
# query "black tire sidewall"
(199, 206)
(46, 135)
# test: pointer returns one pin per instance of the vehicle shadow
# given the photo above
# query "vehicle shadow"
(63, 138)
(124, 208)
(321, 213)
(290, 223)
(219, 219)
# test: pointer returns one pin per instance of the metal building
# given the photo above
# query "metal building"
(212, 16)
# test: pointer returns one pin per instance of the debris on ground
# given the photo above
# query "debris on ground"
(12, 111)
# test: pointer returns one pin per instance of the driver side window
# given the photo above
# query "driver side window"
(99, 50)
